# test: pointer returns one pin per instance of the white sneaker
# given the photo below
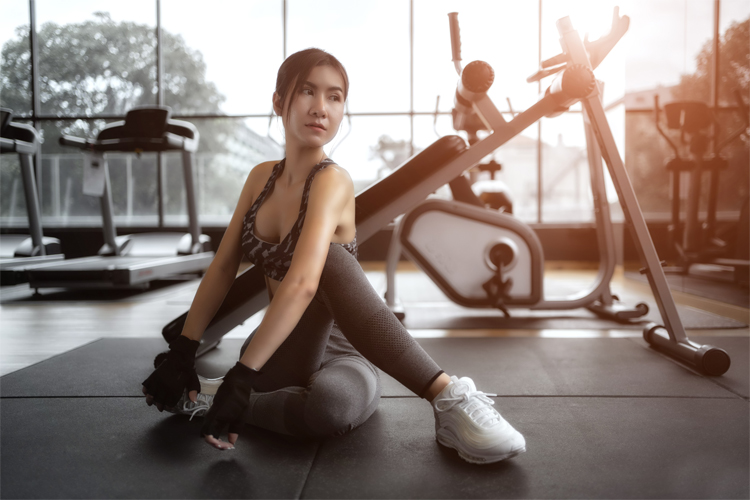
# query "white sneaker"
(466, 421)
(205, 398)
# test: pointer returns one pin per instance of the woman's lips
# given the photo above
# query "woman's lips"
(316, 126)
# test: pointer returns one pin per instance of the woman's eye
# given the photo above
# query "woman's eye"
(307, 91)
(335, 98)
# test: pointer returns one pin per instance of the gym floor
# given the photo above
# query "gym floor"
(604, 415)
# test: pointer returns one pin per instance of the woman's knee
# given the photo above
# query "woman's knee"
(342, 398)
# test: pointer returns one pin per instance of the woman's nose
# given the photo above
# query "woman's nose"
(319, 107)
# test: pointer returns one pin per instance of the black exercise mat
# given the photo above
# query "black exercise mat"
(723, 291)
(117, 448)
(447, 315)
(506, 366)
(577, 448)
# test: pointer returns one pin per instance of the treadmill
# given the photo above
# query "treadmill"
(20, 250)
(135, 260)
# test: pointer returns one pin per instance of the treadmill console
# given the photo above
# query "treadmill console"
(146, 122)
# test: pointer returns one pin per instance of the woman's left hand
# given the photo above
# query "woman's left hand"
(229, 406)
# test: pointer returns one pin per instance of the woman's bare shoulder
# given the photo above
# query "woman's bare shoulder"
(262, 170)
(256, 179)
(338, 175)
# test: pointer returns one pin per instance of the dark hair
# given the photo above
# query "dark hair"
(297, 67)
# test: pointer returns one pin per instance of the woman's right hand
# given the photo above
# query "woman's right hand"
(228, 408)
(175, 372)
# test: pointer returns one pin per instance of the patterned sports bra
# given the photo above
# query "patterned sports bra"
(275, 258)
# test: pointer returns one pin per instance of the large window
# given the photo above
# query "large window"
(15, 76)
(232, 45)
(114, 46)
(670, 54)
(215, 65)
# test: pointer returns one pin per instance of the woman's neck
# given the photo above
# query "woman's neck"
(299, 162)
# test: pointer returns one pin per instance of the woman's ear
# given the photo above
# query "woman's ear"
(277, 103)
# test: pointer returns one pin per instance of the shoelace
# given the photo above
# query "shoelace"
(477, 404)
(201, 405)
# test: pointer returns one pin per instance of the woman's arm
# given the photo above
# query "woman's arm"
(223, 269)
(176, 372)
(331, 190)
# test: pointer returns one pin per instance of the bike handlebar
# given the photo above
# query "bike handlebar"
(597, 49)
(455, 40)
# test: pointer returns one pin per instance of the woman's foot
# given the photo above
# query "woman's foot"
(204, 399)
(466, 421)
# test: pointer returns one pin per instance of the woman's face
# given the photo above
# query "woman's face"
(317, 110)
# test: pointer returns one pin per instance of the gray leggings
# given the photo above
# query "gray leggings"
(322, 380)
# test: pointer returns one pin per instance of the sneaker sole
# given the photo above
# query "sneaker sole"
(449, 443)
(210, 385)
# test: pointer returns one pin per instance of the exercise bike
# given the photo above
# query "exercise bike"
(449, 157)
(484, 258)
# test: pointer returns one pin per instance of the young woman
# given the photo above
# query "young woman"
(309, 368)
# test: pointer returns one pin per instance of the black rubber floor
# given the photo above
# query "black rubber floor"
(603, 418)
(504, 366)
(112, 448)
(447, 315)
(721, 290)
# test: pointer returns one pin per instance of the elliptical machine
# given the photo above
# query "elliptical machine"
(697, 241)
(483, 258)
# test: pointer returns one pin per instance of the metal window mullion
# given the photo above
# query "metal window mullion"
(715, 80)
(283, 24)
(159, 102)
(36, 104)
(35, 96)
(411, 78)
(539, 186)
(44, 118)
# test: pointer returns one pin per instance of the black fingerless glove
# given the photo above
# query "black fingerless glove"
(175, 372)
(230, 402)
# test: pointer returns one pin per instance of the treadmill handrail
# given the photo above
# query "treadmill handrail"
(16, 146)
(168, 142)
(19, 138)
